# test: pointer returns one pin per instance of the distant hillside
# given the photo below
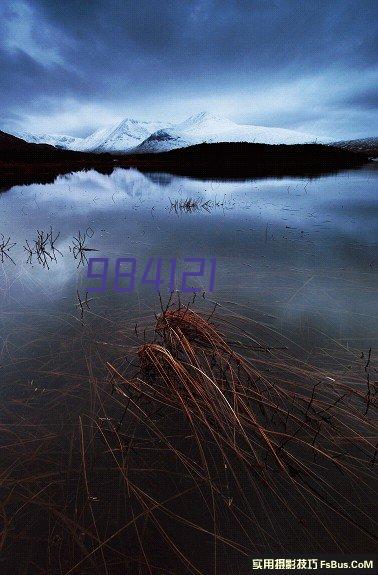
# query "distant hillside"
(12, 144)
(13, 148)
(23, 162)
(242, 159)
(367, 146)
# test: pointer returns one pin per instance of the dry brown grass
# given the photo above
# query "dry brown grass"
(187, 444)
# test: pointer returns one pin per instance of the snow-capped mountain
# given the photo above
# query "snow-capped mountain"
(119, 137)
(57, 140)
(136, 136)
(205, 127)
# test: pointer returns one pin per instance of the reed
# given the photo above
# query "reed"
(189, 437)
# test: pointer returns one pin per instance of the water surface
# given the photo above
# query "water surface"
(298, 255)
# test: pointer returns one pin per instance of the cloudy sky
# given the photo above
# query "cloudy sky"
(75, 65)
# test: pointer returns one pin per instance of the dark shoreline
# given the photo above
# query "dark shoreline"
(22, 164)
(248, 161)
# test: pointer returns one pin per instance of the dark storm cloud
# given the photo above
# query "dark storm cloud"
(366, 100)
(72, 65)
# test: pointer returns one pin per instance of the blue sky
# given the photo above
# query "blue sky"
(73, 66)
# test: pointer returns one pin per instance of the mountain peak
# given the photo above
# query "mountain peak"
(206, 123)
(205, 115)
(127, 121)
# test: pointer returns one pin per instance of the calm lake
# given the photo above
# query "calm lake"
(294, 259)
(298, 255)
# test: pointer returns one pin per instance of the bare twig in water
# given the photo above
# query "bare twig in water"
(80, 248)
(44, 248)
(83, 303)
(5, 247)
(190, 205)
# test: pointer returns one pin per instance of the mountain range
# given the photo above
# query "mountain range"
(135, 136)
